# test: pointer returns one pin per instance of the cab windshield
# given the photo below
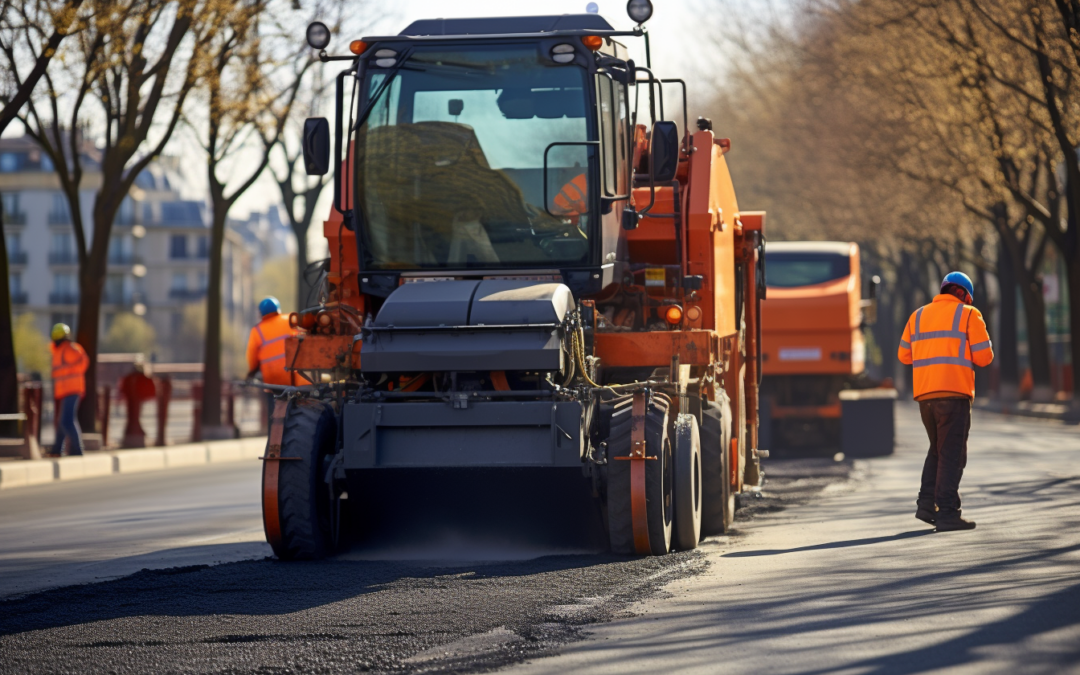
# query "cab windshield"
(450, 162)
(790, 269)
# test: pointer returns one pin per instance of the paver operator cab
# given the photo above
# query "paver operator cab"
(531, 269)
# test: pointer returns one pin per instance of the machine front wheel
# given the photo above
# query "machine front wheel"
(640, 510)
(302, 515)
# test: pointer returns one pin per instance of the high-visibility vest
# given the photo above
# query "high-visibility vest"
(943, 342)
(573, 198)
(266, 349)
(69, 364)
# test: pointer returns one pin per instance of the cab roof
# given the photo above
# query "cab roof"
(508, 25)
(838, 247)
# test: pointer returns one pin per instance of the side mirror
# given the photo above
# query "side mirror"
(869, 305)
(316, 146)
(664, 151)
(630, 218)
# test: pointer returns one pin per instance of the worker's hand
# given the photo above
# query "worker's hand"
(251, 375)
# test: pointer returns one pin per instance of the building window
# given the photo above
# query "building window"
(16, 254)
(65, 290)
(18, 295)
(59, 211)
(13, 215)
(179, 281)
(9, 162)
(203, 281)
(203, 250)
(62, 249)
(119, 250)
(126, 216)
(46, 163)
(178, 246)
(114, 289)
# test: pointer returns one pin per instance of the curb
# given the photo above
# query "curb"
(41, 471)
(1045, 411)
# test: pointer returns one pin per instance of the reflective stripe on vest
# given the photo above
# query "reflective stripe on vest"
(960, 359)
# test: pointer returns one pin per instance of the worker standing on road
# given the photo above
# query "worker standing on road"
(266, 344)
(943, 341)
(69, 364)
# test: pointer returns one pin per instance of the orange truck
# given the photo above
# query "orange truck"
(813, 352)
(530, 276)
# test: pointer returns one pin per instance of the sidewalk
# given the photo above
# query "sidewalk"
(35, 472)
(1070, 414)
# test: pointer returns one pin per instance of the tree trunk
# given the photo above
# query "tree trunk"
(1038, 345)
(1006, 351)
(1072, 274)
(982, 301)
(9, 381)
(211, 403)
(303, 288)
(91, 287)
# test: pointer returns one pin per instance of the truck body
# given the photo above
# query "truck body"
(813, 347)
(523, 276)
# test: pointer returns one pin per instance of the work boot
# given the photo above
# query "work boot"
(954, 524)
(926, 515)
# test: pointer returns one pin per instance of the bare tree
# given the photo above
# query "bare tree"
(136, 63)
(249, 94)
(33, 30)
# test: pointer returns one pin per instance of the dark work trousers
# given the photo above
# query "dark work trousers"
(947, 422)
(69, 425)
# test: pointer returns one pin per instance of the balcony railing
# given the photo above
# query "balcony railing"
(59, 218)
(17, 257)
(125, 299)
(20, 298)
(187, 293)
(63, 298)
(17, 218)
(63, 258)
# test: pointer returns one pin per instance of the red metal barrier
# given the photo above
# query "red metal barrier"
(196, 411)
(104, 397)
(164, 395)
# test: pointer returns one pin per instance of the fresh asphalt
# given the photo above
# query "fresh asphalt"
(844, 580)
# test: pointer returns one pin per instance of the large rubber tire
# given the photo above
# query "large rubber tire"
(659, 479)
(717, 497)
(687, 450)
(304, 502)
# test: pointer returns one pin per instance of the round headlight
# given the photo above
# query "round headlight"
(318, 35)
(639, 10)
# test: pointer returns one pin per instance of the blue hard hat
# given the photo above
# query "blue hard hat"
(960, 279)
(270, 305)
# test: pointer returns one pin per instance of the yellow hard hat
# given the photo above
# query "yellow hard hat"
(60, 331)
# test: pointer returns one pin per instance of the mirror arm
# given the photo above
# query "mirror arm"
(685, 122)
(338, 104)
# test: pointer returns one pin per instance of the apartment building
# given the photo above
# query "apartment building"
(158, 251)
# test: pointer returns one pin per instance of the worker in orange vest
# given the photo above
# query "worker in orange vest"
(69, 364)
(266, 344)
(573, 198)
(943, 342)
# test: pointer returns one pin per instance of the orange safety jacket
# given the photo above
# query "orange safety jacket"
(573, 198)
(69, 364)
(943, 341)
(266, 349)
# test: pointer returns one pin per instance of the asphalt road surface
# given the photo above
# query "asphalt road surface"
(827, 572)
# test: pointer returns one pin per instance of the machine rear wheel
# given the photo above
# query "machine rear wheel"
(717, 497)
(302, 495)
(658, 480)
(687, 483)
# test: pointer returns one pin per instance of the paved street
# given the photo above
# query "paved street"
(853, 583)
(828, 572)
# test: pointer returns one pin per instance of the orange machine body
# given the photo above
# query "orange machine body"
(815, 329)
